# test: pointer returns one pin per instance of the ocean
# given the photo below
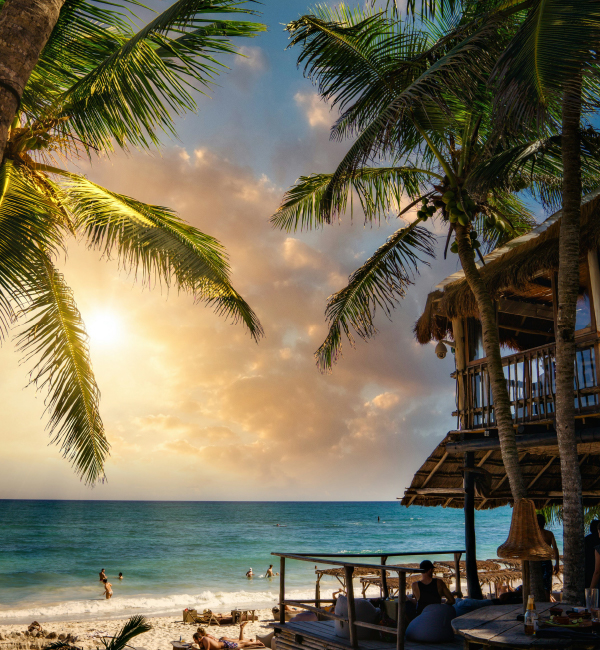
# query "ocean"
(195, 554)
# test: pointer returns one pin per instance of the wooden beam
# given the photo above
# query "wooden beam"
(485, 457)
(439, 490)
(525, 330)
(433, 471)
(525, 309)
(546, 466)
(483, 502)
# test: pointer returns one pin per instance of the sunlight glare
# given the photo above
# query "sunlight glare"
(104, 328)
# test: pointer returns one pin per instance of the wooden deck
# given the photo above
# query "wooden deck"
(321, 636)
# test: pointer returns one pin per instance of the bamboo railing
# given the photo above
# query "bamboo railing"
(530, 379)
(349, 567)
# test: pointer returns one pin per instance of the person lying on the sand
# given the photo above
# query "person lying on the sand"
(210, 642)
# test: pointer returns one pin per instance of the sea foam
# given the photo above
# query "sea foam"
(150, 605)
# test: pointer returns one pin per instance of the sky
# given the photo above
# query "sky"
(193, 408)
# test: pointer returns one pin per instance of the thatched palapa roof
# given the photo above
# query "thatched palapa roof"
(513, 270)
(439, 481)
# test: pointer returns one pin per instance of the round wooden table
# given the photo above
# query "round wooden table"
(497, 625)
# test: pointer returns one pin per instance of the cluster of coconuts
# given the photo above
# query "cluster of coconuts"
(33, 142)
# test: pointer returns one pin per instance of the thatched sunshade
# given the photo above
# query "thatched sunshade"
(513, 271)
(439, 481)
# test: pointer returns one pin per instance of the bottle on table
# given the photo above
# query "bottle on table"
(531, 617)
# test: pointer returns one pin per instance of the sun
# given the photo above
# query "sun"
(104, 328)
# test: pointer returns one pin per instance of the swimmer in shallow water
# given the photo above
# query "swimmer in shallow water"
(102, 576)
(107, 589)
(210, 642)
(120, 576)
(249, 573)
(270, 573)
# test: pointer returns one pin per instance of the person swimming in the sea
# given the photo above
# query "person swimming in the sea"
(107, 589)
(102, 576)
(210, 642)
(249, 573)
(120, 576)
(270, 573)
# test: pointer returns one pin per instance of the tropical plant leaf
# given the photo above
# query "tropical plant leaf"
(153, 240)
(28, 222)
(379, 190)
(55, 336)
(552, 47)
(379, 283)
(135, 626)
(124, 86)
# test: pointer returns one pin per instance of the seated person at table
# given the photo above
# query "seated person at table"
(429, 590)
(210, 642)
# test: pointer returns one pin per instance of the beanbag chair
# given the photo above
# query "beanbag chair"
(466, 605)
(432, 625)
(364, 611)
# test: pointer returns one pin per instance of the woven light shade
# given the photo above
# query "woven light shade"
(525, 541)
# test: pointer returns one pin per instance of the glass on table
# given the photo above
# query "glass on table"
(591, 599)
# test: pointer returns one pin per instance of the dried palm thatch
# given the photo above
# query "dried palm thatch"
(439, 481)
(510, 271)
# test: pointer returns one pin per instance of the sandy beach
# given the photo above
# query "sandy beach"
(164, 630)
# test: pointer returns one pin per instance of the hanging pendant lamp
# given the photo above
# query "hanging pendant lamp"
(525, 541)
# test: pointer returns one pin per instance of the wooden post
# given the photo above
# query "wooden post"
(473, 586)
(457, 574)
(281, 589)
(594, 269)
(318, 592)
(526, 582)
(348, 573)
(460, 358)
(401, 619)
(384, 584)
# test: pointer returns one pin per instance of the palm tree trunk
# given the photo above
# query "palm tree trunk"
(491, 344)
(25, 27)
(568, 289)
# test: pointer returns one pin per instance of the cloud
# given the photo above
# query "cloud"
(194, 408)
(385, 401)
(316, 111)
(252, 58)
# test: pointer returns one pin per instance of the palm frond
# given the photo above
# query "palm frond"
(552, 47)
(379, 190)
(55, 336)
(125, 86)
(135, 626)
(28, 222)
(379, 283)
(155, 242)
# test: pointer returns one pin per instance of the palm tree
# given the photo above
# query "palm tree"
(551, 61)
(409, 95)
(98, 83)
(398, 95)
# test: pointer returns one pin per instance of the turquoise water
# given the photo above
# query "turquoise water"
(195, 554)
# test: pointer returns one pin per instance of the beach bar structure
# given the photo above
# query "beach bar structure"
(465, 470)
(321, 634)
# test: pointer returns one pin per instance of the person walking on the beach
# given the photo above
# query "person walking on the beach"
(107, 589)
(102, 576)
(210, 642)
(249, 573)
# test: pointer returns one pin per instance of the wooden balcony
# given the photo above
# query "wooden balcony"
(530, 378)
